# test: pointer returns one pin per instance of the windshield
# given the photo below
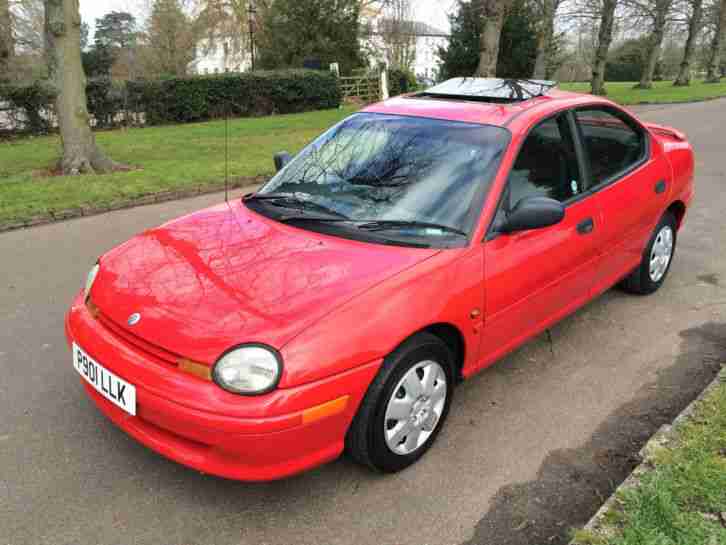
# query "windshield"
(409, 173)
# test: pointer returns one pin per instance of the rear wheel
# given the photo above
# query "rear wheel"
(405, 406)
(657, 259)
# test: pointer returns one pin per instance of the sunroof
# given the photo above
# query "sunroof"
(488, 89)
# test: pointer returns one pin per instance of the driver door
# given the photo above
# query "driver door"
(533, 278)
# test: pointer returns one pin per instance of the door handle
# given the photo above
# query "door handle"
(660, 187)
(586, 227)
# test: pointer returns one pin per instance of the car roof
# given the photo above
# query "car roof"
(511, 115)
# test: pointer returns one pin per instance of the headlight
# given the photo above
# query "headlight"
(251, 369)
(91, 278)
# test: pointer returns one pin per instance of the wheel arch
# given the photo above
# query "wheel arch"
(452, 337)
(678, 209)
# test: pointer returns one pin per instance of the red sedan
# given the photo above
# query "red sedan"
(407, 248)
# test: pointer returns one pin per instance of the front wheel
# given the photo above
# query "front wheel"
(405, 406)
(657, 259)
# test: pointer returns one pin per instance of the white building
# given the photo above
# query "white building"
(428, 43)
(426, 38)
(233, 55)
(221, 55)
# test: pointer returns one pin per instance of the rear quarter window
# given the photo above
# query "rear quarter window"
(613, 144)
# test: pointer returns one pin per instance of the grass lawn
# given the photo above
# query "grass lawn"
(662, 92)
(683, 500)
(184, 157)
(170, 158)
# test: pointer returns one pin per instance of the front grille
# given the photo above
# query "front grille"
(156, 353)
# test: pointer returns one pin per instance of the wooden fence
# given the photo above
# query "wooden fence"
(364, 88)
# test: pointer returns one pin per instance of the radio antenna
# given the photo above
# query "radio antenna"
(226, 154)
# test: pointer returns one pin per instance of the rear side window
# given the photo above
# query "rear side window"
(612, 144)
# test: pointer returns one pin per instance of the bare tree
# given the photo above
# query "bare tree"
(605, 38)
(227, 21)
(714, 65)
(66, 76)
(493, 13)
(28, 22)
(547, 11)
(694, 26)
(656, 12)
(7, 43)
(579, 22)
(170, 39)
(398, 34)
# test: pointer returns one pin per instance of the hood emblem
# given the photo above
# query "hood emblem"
(134, 319)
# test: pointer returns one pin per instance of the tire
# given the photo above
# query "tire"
(646, 280)
(374, 429)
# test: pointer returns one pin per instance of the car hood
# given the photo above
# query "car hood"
(227, 275)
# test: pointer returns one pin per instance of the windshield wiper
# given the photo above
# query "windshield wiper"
(382, 225)
(334, 220)
(375, 225)
(313, 218)
(284, 200)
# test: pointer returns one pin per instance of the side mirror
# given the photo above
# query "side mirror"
(281, 159)
(533, 213)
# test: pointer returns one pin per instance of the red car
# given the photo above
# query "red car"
(408, 247)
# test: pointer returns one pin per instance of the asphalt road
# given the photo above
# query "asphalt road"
(532, 445)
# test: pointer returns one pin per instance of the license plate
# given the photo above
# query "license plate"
(115, 389)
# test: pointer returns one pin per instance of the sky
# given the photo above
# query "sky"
(432, 12)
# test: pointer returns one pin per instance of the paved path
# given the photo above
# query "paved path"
(532, 444)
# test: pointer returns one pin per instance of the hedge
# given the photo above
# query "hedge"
(401, 82)
(182, 100)
(30, 107)
(107, 101)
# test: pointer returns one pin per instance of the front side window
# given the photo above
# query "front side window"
(388, 169)
(545, 167)
(612, 144)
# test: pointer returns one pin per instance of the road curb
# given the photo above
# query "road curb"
(663, 437)
(55, 216)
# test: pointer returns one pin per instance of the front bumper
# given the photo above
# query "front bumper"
(196, 423)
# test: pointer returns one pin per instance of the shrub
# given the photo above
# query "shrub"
(401, 82)
(627, 62)
(30, 106)
(181, 100)
(106, 100)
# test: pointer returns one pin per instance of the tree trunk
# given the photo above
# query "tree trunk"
(493, 13)
(544, 39)
(694, 25)
(605, 37)
(662, 7)
(66, 76)
(7, 44)
(714, 65)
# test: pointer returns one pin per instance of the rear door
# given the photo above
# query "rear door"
(535, 277)
(630, 178)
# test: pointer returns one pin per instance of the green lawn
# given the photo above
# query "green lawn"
(683, 500)
(183, 157)
(169, 158)
(663, 92)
